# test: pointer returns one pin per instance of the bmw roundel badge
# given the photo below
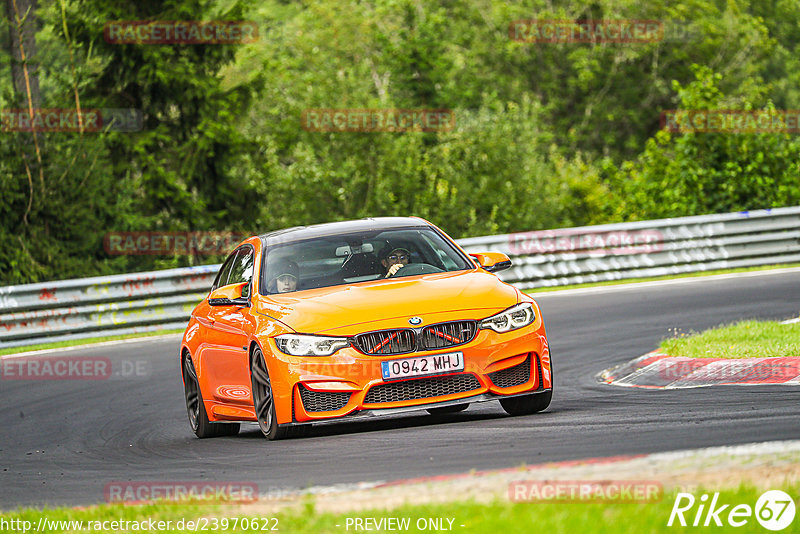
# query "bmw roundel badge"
(415, 321)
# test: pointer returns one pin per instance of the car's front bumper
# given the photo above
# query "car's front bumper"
(369, 414)
(349, 384)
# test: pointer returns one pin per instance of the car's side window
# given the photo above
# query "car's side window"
(225, 271)
(242, 270)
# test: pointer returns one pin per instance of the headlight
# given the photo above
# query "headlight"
(306, 345)
(511, 319)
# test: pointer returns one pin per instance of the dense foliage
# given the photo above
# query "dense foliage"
(546, 134)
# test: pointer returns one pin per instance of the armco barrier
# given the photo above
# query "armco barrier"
(646, 248)
(141, 302)
(104, 305)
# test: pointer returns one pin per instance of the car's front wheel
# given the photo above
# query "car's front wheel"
(198, 418)
(527, 404)
(263, 401)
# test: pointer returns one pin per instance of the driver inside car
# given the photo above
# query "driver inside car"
(285, 279)
(394, 260)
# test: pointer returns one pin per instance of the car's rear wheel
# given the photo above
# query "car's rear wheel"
(195, 407)
(527, 404)
(263, 401)
(442, 410)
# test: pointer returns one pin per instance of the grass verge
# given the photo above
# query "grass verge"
(85, 341)
(745, 339)
(498, 516)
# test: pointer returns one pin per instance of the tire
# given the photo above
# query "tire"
(196, 408)
(527, 404)
(262, 398)
(442, 410)
(530, 404)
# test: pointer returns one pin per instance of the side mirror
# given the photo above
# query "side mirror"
(231, 295)
(492, 261)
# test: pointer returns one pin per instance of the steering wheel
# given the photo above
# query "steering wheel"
(417, 268)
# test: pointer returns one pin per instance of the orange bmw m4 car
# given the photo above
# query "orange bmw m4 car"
(358, 319)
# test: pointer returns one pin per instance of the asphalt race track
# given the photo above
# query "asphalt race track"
(62, 441)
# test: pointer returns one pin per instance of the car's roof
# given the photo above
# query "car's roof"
(301, 233)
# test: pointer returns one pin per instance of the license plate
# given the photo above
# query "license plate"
(435, 364)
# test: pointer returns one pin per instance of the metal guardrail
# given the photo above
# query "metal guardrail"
(141, 302)
(104, 305)
(646, 248)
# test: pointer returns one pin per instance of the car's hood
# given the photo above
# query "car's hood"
(348, 308)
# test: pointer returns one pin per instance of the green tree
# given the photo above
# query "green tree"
(175, 174)
(695, 173)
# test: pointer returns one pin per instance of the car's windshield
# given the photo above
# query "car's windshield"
(358, 257)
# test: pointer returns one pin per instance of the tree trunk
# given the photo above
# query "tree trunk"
(22, 26)
(22, 45)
